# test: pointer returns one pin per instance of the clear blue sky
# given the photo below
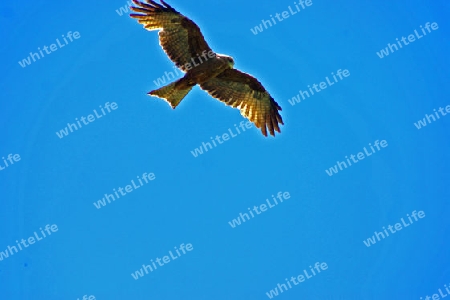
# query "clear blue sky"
(192, 200)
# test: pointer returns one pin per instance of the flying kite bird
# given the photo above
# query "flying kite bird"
(185, 45)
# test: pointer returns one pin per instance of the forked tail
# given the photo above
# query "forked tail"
(174, 92)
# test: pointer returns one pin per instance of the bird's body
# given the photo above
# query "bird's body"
(185, 45)
(208, 68)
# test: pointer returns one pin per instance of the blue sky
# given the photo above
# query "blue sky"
(193, 200)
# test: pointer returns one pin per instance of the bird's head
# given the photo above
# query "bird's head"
(228, 59)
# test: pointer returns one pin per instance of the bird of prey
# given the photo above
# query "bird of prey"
(185, 45)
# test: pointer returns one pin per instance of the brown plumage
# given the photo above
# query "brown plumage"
(185, 45)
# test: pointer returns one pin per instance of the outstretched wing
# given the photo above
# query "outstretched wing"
(180, 38)
(245, 92)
